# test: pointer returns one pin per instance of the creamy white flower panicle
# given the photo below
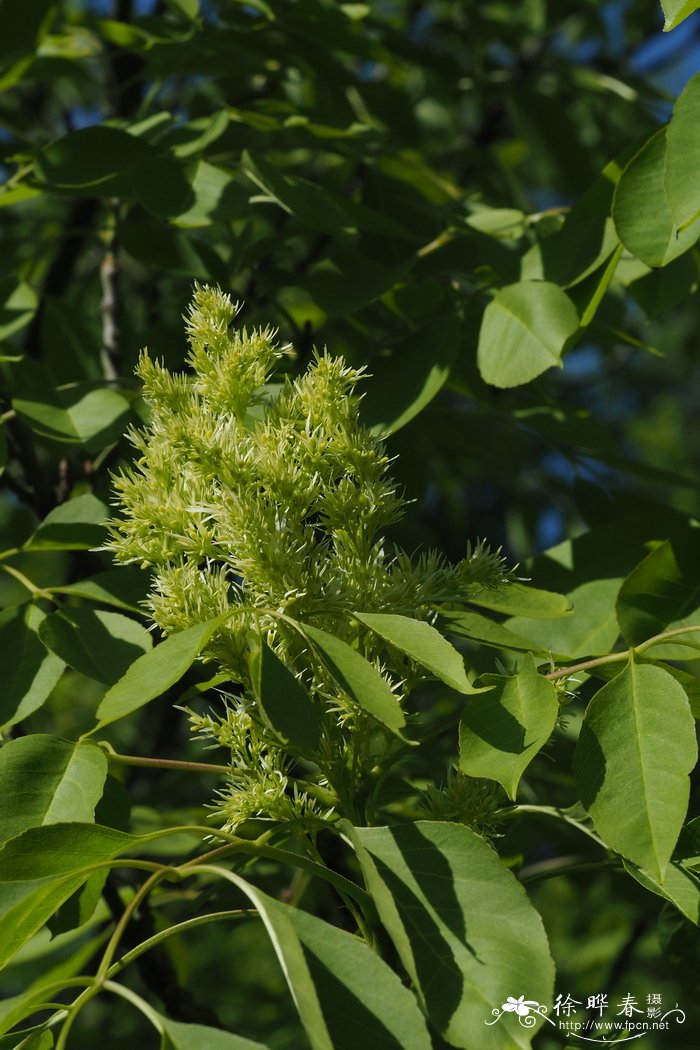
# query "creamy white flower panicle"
(256, 499)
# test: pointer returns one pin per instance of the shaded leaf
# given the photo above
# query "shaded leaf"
(46, 780)
(26, 907)
(659, 291)
(124, 588)
(77, 414)
(106, 161)
(311, 204)
(155, 671)
(27, 671)
(217, 197)
(101, 645)
(584, 242)
(345, 993)
(501, 732)
(57, 849)
(18, 305)
(285, 704)
(358, 678)
(347, 280)
(662, 593)
(179, 1036)
(679, 886)
(74, 525)
(462, 925)
(479, 628)
(402, 384)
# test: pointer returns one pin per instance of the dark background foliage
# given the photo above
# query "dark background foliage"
(344, 171)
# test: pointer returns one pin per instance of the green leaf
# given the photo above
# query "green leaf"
(462, 925)
(189, 8)
(585, 241)
(78, 415)
(46, 780)
(676, 11)
(197, 134)
(636, 747)
(518, 599)
(80, 907)
(588, 295)
(284, 703)
(478, 628)
(18, 305)
(423, 644)
(101, 645)
(179, 1036)
(60, 849)
(362, 1000)
(161, 185)
(690, 682)
(663, 593)
(217, 197)
(660, 291)
(642, 211)
(346, 995)
(590, 630)
(155, 671)
(358, 678)
(347, 280)
(124, 588)
(89, 158)
(76, 524)
(172, 250)
(313, 205)
(402, 384)
(24, 27)
(35, 1038)
(524, 332)
(106, 161)
(27, 672)
(501, 732)
(26, 907)
(679, 886)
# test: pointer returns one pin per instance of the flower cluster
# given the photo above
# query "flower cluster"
(268, 502)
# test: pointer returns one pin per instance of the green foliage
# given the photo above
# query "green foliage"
(437, 251)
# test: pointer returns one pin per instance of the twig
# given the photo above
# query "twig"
(109, 304)
(626, 654)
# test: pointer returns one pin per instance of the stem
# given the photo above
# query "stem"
(598, 661)
(180, 927)
(551, 869)
(109, 305)
(36, 592)
(558, 814)
(119, 929)
(626, 654)
(162, 763)
(643, 646)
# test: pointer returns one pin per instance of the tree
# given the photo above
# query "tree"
(488, 215)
